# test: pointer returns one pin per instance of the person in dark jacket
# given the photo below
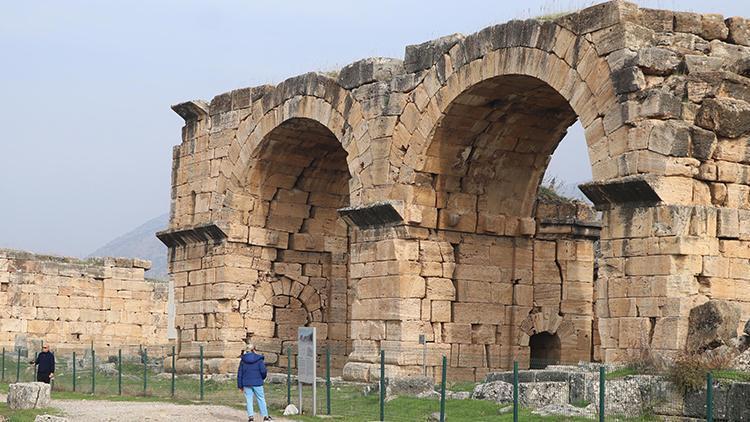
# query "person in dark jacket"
(250, 376)
(45, 365)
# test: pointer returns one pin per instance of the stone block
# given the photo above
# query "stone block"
(368, 330)
(440, 289)
(739, 30)
(483, 334)
(657, 60)
(479, 313)
(50, 418)
(540, 394)
(28, 395)
(738, 401)
(472, 355)
(457, 333)
(423, 56)
(387, 309)
(726, 116)
(441, 311)
(713, 27)
(712, 324)
(406, 286)
(687, 22)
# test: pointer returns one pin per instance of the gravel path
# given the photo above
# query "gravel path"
(119, 411)
(106, 411)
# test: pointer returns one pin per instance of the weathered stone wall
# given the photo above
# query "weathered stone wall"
(434, 162)
(476, 298)
(74, 304)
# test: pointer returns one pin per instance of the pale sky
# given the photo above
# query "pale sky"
(87, 132)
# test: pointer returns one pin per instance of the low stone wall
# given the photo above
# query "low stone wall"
(74, 304)
(628, 396)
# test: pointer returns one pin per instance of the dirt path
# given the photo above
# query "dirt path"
(111, 411)
(100, 410)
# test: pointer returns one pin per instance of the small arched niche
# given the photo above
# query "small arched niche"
(545, 350)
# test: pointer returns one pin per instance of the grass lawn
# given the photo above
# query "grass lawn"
(24, 415)
(460, 386)
(620, 373)
(731, 375)
(348, 402)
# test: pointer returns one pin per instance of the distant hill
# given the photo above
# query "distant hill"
(141, 242)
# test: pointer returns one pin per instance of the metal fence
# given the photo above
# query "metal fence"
(150, 372)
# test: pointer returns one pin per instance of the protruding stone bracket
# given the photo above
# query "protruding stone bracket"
(196, 234)
(571, 227)
(191, 110)
(633, 191)
(380, 214)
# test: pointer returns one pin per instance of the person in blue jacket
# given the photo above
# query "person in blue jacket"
(250, 376)
(45, 365)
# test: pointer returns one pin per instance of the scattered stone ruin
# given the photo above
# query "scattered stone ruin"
(561, 390)
(398, 198)
(75, 304)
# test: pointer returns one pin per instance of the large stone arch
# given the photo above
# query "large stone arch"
(310, 96)
(484, 272)
(663, 97)
(534, 133)
(533, 62)
(296, 180)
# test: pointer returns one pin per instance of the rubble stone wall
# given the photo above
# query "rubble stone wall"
(73, 304)
(435, 161)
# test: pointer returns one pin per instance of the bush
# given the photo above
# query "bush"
(640, 360)
(688, 371)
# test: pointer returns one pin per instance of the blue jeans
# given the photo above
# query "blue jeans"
(260, 396)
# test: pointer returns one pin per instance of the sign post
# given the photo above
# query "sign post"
(307, 363)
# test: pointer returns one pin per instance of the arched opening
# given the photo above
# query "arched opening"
(545, 350)
(491, 149)
(300, 179)
(488, 155)
(569, 164)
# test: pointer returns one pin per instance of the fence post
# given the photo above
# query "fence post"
(288, 375)
(602, 391)
(74, 372)
(201, 374)
(442, 389)
(382, 385)
(515, 391)
(18, 365)
(709, 397)
(145, 370)
(328, 380)
(93, 371)
(173, 370)
(119, 372)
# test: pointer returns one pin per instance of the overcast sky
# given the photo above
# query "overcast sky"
(85, 90)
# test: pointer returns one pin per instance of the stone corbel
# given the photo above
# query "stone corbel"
(379, 214)
(640, 190)
(191, 111)
(195, 234)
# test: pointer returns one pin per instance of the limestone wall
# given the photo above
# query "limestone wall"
(74, 304)
(434, 161)
(477, 298)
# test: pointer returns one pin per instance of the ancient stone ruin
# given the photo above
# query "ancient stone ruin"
(398, 198)
(76, 304)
